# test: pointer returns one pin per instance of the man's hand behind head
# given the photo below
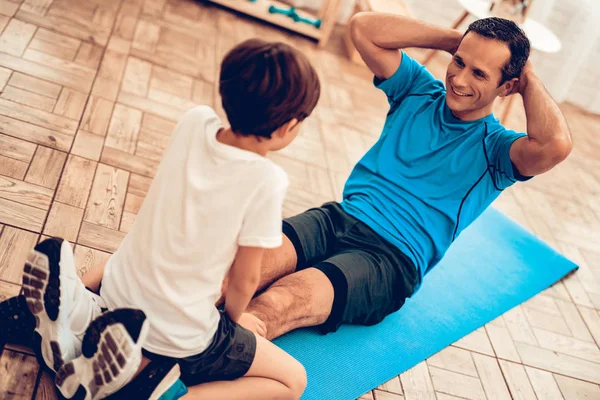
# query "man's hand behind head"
(520, 86)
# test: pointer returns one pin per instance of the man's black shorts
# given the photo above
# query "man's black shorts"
(371, 277)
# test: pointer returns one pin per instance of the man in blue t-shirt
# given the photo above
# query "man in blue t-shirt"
(441, 160)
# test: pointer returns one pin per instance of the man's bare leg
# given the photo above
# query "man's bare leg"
(278, 263)
(301, 299)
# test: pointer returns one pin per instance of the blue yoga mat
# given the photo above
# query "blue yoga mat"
(492, 267)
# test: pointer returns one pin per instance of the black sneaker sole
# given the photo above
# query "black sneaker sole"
(109, 359)
(41, 288)
(133, 321)
(32, 284)
(18, 324)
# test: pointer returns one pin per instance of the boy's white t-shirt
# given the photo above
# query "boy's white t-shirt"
(206, 199)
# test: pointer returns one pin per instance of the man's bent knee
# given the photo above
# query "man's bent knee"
(304, 298)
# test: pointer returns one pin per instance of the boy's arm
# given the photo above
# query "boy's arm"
(243, 279)
(378, 37)
(548, 140)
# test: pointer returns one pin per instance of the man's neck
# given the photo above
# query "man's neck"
(472, 115)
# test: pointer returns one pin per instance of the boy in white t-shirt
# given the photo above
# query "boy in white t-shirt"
(213, 207)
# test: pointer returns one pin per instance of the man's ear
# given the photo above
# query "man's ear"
(509, 87)
(286, 128)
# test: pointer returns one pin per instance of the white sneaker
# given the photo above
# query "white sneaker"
(87, 307)
(112, 353)
(58, 300)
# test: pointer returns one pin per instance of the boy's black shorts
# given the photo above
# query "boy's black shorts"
(228, 357)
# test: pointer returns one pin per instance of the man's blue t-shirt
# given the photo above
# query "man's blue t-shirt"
(430, 174)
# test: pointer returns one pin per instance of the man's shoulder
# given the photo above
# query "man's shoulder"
(410, 78)
(495, 132)
(426, 99)
(425, 78)
(494, 127)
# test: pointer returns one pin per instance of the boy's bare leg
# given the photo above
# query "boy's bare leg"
(274, 374)
(92, 278)
(301, 299)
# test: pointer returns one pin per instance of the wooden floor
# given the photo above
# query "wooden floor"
(91, 90)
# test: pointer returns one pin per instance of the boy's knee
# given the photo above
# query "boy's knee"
(298, 381)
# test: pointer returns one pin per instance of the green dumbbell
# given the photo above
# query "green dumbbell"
(291, 12)
(310, 21)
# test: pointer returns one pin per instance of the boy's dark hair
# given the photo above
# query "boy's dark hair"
(508, 32)
(264, 85)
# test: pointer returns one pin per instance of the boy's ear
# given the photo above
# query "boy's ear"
(287, 127)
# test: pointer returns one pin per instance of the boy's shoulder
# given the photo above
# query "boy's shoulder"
(279, 175)
(269, 173)
(202, 112)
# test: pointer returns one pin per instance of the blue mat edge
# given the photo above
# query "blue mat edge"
(524, 231)
(576, 267)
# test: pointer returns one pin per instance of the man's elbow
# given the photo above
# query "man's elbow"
(554, 153)
(357, 26)
(537, 159)
(561, 148)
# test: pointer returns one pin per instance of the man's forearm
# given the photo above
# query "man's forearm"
(398, 32)
(548, 140)
(545, 121)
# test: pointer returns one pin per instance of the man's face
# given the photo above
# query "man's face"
(473, 76)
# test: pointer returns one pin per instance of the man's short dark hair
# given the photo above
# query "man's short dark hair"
(264, 85)
(508, 32)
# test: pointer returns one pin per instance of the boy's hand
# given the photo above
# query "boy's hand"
(252, 323)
